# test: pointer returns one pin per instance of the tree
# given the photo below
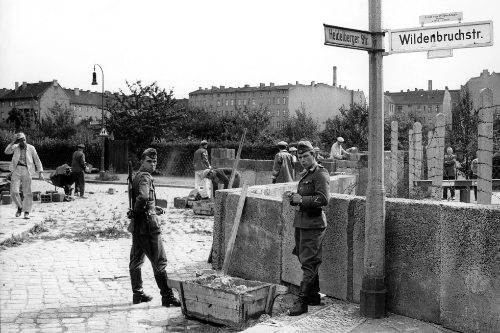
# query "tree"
(17, 117)
(302, 126)
(59, 122)
(351, 124)
(146, 113)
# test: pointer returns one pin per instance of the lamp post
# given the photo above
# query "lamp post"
(94, 83)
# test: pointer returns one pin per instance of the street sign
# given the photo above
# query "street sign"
(445, 17)
(452, 36)
(348, 38)
(439, 54)
(103, 132)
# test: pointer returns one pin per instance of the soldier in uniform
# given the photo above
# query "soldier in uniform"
(312, 195)
(283, 165)
(146, 232)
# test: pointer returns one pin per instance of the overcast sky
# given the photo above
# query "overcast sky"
(189, 44)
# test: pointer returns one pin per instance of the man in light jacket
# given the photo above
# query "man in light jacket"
(22, 166)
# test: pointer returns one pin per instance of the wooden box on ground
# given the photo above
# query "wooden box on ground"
(163, 203)
(204, 207)
(226, 307)
(180, 202)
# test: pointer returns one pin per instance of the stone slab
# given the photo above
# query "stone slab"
(470, 268)
(290, 271)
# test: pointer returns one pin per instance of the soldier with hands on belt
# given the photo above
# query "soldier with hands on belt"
(312, 195)
(146, 234)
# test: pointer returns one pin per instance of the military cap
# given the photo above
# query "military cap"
(304, 147)
(282, 143)
(293, 149)
(340, 139)
(81, 145)
(150, 152)
(204, 142)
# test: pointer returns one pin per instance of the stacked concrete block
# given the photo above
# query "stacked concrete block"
(203, 207)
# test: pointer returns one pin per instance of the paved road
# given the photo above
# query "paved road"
(65, 281)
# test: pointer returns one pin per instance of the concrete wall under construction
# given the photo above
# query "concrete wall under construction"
(441, 258)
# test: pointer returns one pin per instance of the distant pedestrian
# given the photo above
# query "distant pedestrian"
(337, 152)
(449, 173)
(283, 165)
(313, 193)
(78, 166)
(22, 166)
(220, 178)
(293, 152)
(146, 234)
(473, 169)
(201, 163)
(317, 154)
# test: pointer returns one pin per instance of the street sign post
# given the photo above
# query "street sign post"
(348, 38)
(452, 36)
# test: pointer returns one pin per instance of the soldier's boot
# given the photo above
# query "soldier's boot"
(314, 297)
(136, 280)
(300, 305)
(167, 296)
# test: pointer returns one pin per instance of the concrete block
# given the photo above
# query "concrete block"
(215, 153)
(470, 269)
(57, 197)
(247, 176)
(246, 165)
(290, 271)
(6, 199)
(263, 177)
(231, 154)
(163, 203)
(218, 246)
(257, 249)
(203, 208)
(46, 198)
(36, 195)
(412, 270)
(180, 202)
(358, 244)
(222, 153)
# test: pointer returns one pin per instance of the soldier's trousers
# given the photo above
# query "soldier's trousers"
(308, 248)
(150, 246)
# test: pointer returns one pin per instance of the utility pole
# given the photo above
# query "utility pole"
(373, 290)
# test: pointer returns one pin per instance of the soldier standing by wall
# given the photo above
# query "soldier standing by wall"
(146, 232)
(201, 163)
(313, 193)
(283, 165)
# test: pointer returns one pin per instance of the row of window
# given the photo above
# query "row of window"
(230, 102)
(279, 113)
(86, 108)
(253, 93)
(15, 103)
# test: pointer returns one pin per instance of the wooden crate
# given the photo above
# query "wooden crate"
(226, 307)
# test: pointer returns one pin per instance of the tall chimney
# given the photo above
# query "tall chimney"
(334, 76)
(55, 83)
(430, 85)
(77, 91)
(25, 85)
(17, 86)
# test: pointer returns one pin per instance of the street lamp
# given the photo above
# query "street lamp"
(94, 83)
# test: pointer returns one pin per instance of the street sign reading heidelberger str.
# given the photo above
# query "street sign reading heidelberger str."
(453, 36)
(349, 38)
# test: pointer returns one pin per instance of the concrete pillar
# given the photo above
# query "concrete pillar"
(394, 159)
(485, 147)
(411, 161)
(417, 135)
(447, 106)
(372, 294)
(335, 76)
(439, 132)
(430, 155)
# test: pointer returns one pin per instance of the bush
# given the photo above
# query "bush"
(108, 175)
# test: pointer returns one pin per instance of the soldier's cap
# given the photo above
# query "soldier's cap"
(340, 139)
(81, 145)
(293, 149)
(282, 143)
(205, 173)
(204, 142)
(20, 136)
(304, 147)
(150, 152)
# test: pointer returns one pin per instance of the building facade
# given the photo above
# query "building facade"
(321, 100)
(423, 104)
(485, 80)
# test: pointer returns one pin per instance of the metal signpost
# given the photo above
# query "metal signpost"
(439, 41)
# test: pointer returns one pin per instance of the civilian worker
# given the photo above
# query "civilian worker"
(283, 165)
(220, 178)
(23, 164)
(78, 165)
(293, 152)
(146, 234)
(200, 164)
(337, 152)
(450, 161)
(312, 195)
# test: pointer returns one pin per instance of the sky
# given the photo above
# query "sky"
(184, 45)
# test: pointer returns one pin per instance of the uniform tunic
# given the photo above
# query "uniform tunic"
(283, 167)
(147, 231)
(310, 220)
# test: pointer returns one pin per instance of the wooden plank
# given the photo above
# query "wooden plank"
(227, 303)
(270, 299)
(235, 164)
(234, 231)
